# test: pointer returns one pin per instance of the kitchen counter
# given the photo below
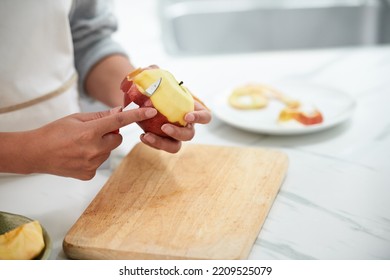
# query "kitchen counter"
(334, 202)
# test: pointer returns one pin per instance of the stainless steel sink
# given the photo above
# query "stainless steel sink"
(220, 26)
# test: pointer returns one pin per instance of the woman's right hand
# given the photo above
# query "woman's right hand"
(76, 145)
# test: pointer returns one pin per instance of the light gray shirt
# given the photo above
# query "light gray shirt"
(92, 24)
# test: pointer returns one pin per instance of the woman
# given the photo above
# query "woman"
(46, 47)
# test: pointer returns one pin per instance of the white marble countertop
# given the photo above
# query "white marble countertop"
(334, 202)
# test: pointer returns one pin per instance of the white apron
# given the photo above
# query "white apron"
(37, 75)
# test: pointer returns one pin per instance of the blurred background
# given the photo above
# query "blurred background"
(191, 27)
(162, 31)
(215, 26)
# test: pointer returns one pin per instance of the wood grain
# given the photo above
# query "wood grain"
(205, 202)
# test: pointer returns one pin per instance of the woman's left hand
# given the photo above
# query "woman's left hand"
(178, 134)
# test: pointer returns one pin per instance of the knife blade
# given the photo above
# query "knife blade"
(153, 87)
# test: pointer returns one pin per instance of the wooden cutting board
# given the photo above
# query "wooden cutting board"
(205, 202)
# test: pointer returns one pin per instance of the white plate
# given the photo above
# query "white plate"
(335, 106)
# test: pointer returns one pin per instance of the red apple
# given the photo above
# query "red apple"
(171, 99)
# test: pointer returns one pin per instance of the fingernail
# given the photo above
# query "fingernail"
(167, 129)
(190, 117)
(148, 103)
(151, 112)
(149, 138)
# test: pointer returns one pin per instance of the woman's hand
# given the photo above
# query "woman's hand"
(76, 145)
(201, 115)
(102, 84)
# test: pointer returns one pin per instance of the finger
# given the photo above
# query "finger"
(85, 117)
(115, 121)
(148, 103)
(199, 104)
(153, 66)
(179, 133)
(202, 116)
(111, 141)
(161, 143)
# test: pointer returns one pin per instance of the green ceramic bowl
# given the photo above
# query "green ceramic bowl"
(9, 221)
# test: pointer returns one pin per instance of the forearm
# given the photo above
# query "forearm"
(104, 79)
(16, 155)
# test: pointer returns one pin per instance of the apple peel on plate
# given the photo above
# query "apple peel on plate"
(258, 96)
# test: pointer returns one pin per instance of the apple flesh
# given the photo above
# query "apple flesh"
(22, 243)
(171, 99)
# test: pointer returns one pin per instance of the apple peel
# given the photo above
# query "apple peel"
(257, 96)
(304, 117)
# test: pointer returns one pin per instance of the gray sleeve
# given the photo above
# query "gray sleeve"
(92, 24)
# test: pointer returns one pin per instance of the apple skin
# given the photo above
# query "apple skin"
(314, 117)
(154, 124)
(132, 94)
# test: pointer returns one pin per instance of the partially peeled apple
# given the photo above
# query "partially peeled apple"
(171, 99)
